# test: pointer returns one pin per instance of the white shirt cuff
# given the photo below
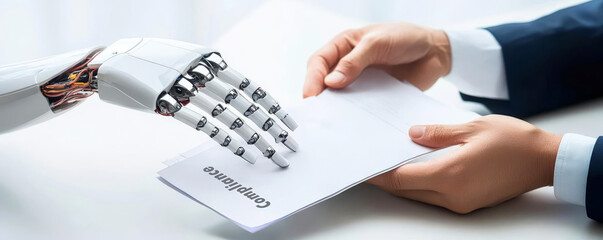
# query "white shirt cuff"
(477, 64)
(571, 168)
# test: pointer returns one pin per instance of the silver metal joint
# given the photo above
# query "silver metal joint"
(183, 89)
(274, 108)
(200, 75)
(217, 110)
(283, 136)
(236, 124)
(250, 110)
(268, 124)
(240, 151)
(258, 94)
(253, 139)
(226, 141)
(167, 104)
(269, 152)
(216, 61)
(244, 84)
(214, 132)
(231, 96)
(201, 123)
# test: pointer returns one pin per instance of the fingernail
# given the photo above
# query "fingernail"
(416, 131)
(334, 77)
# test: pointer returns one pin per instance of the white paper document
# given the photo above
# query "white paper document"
(345, 137)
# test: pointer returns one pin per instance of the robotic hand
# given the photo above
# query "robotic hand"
(154, 75)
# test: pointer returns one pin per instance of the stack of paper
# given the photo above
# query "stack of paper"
(345, 137)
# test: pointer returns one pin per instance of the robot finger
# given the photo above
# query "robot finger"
(228, 118)
(200, 122)
(251, 89)
(203, 78)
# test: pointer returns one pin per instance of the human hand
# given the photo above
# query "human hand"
(417, 54)
(498, 159)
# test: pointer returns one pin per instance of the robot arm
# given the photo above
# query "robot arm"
(160, 76)
(22, 103)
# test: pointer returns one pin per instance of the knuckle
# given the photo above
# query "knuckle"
(435, 130)
(318, 64)
(437, 133)
(388, 181)
(392, 181)
(485, 121)
(475, 124)
(347, 64)
(316, 58)
(347, 36)
(395, 183)
(371, 39)
(480, 123)
(347, 33)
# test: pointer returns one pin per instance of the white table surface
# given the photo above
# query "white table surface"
(90, 174)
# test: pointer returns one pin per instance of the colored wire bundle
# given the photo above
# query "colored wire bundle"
(72, 86)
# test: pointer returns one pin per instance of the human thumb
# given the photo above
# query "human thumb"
(349, 67)
(438, 135)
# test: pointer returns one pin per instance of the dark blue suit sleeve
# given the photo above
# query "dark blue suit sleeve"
(551, 62)
(594, 183)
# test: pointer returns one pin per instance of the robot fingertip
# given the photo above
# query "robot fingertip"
(291, 144)
(289, 122)
(249, 157)
(280, 160)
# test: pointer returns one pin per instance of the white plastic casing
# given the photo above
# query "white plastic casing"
(22, 103)
(133, 83)
(133, 73)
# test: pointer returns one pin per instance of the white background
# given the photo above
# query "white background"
(90, 173)
(32, 29)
